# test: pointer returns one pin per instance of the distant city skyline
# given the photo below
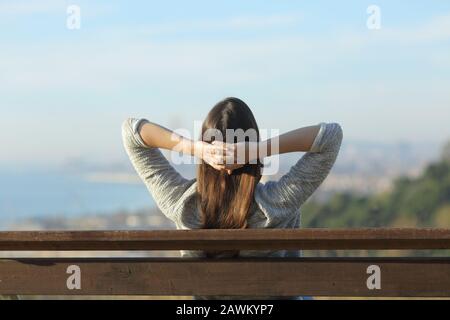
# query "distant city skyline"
(64, 93)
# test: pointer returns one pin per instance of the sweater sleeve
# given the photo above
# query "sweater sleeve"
(164, 183)
(283, 198)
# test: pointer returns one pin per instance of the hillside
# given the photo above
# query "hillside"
(423, 201)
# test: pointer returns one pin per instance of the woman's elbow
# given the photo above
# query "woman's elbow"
(339, 132)
(335, 137)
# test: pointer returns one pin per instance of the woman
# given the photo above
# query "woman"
(227, 193)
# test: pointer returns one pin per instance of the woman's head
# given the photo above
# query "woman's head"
(226, 197)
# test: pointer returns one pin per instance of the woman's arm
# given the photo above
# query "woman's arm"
(239, 154)
(157, 136)
(281, 199)
(162, 180)
(142, 140)
(285, 196)
(299, 140)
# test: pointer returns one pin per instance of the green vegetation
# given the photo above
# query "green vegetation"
(413, 202)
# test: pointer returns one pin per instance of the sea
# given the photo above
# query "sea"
(28, 194)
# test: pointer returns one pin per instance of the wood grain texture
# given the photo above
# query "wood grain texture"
(252, 239)
(404, 277)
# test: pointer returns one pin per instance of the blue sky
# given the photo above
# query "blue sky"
(64, 93)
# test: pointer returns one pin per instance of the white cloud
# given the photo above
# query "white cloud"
(11, 10)
(114, 61)
(437, 29)
(110, 65)
(407, 107)
(14, 8)
(262, 21)
(224, 24)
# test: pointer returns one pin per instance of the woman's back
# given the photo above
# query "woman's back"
(276, 204)
(228, 194)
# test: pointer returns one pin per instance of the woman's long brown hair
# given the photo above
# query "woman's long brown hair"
(225, 200)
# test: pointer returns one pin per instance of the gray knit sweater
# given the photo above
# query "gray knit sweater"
(276, 204)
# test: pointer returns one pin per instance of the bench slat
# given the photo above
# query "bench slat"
(399, 277)
(250, 239)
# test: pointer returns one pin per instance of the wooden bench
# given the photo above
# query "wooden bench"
(355, 277)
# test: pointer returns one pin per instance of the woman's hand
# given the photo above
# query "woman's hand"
(226, 156)
(211, 154)
(237, 155)
(230, 152)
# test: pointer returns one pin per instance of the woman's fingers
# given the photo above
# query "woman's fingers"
(227, 149)
(222, 156)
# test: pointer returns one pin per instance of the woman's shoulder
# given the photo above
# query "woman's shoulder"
(189, 195)
(272, 203)
(191, 188)
(188, 215)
